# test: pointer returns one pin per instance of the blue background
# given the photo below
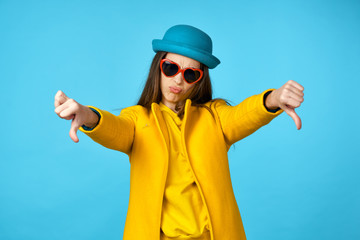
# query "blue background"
(289, 184)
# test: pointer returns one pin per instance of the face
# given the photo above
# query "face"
(173, 89)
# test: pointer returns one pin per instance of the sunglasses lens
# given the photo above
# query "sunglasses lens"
(191, 75)
(169, 68)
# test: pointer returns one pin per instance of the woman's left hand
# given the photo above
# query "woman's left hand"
(288, 97)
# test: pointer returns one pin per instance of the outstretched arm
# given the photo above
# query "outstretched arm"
(288, 97)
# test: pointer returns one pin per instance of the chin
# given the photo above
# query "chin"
(173, 99)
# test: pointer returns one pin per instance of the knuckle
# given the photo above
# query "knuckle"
(282, 98)
(58, 93)
(76, 106)
(71, 102)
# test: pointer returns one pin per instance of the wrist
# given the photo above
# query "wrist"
(269, 101)
(93, 118)
(270, 107)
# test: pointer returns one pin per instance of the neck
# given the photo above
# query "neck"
(170, 105)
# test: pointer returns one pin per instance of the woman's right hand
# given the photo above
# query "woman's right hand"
(68, 109)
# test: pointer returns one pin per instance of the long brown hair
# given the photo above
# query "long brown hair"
(199, 94)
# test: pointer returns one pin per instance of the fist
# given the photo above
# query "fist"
(288, 97)
(69, 109)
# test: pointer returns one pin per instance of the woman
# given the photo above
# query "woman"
(177, 139)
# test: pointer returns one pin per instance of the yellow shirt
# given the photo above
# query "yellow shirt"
(183, 213)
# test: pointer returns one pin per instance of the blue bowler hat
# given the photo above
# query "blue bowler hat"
(187, 41)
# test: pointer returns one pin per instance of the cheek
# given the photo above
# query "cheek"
(162, 83)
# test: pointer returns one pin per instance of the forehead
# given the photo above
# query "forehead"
(183, 61)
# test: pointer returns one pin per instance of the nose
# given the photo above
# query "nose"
(178, 78)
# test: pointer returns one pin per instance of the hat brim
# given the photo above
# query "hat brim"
(197, 54)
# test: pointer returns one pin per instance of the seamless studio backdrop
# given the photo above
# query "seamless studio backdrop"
(289, 184)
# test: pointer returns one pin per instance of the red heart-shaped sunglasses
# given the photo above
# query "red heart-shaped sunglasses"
(170, 69)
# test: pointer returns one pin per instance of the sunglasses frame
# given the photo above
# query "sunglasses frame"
(180, 70)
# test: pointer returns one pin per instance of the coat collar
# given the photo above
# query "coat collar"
(160, 122)
(186, 114)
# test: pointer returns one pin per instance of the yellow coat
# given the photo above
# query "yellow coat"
(206, 138)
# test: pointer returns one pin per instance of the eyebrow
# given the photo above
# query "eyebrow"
(184, 67)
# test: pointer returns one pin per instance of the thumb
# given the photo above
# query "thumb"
(73, 130)
(291, 112)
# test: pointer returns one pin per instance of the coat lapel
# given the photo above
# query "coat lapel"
(160, 122)
(186, 115)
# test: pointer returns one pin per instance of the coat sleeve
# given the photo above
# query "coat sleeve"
(243, 119)
(114, 132)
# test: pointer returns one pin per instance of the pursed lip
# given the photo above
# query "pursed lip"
(175, 89)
